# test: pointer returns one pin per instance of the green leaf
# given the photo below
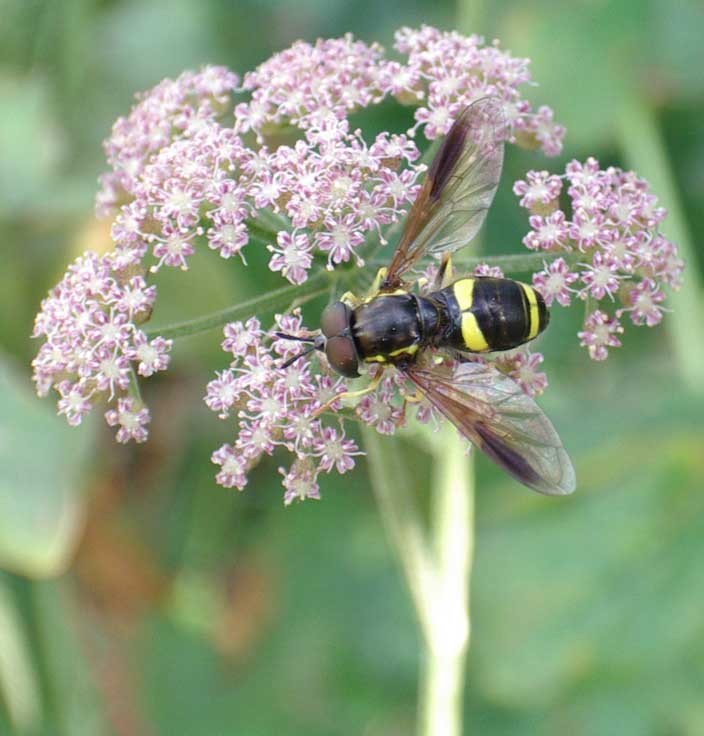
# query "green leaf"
(41, 462)
(18, 685)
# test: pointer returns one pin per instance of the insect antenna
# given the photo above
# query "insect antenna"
(284, 336)
(293, 359)
(316, 343)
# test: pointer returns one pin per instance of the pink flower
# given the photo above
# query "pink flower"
(293, 256)
(600, 277)
(600, 333)
(540, 188)
(523, 368)
(232, 467)
(130, 416)
(300, 481)
(615, 217)
(91, 343)
(644, 299)
(335, 451)
(549, 233)
(554, 282)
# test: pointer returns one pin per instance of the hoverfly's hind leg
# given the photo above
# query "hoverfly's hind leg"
(349, 395)
(446, 274)
(414, 398)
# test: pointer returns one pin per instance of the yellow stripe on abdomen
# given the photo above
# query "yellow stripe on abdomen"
(472, 335)
(464, 293)
(534, 316)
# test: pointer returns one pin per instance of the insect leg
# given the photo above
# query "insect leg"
(445, 274)
(378, 280)
(350, 394)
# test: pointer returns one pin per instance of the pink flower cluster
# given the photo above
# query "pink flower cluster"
(212, 160)
(612, 253)
(447, 70)
(277, 408)
(92, 344)
(187, 171)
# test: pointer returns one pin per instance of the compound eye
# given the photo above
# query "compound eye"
(342, 356)
(335, 319)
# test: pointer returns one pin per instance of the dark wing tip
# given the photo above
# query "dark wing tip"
(518, 466)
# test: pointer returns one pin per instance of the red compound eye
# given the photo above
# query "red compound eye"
(342, 356)
(335, 319)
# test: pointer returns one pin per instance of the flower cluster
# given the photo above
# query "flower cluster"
(277, 408)
(213, 160)
(448, 70)
(193, 165)
(93, 344)
(611, 253)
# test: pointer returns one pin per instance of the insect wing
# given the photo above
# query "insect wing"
(458, 189)
(493, 413)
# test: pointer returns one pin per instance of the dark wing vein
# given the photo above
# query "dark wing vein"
(493, 413)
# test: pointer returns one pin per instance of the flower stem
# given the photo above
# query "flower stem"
(316, 285)
(644, 149)
(260, 231)
(452, 537)
(436, 563)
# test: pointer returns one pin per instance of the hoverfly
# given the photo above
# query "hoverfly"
(394, 327)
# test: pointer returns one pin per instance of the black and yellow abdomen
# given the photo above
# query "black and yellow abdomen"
(492, 314)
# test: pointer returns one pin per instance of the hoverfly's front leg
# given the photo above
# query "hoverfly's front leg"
(349, 395)
(351, 300)
(446, 273)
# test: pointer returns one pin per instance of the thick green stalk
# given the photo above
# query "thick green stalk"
(643, 146)
(436, 562)
(452, 537)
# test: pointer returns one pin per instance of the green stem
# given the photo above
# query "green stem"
(644, 149)
(316, 285)
(259, 230)
(452, 536)
(133, 388)
(436, 563)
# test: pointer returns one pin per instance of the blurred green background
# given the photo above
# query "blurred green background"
(137, 597)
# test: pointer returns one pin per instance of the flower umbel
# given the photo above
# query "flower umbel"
(273, 160)
(92, 343)
(622, 260)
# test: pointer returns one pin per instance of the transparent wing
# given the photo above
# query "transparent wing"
(458, 189)
(494, 414)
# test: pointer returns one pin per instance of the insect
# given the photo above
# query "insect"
(394, 327)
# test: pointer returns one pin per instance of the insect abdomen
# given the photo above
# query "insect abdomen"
(493, 314)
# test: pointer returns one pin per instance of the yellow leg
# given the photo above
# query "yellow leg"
(350, 394)
(350, 299)
(415, 399)
(446, 274)
(378, 279)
